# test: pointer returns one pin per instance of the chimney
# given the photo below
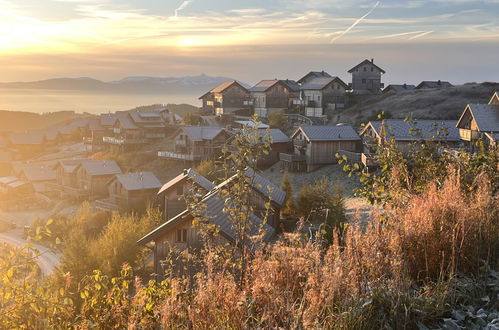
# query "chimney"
(372, 60)
(405, 85)
(439, 82)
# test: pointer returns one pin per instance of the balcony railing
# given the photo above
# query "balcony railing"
(121, 141)
(179, 156)
(467, 134)
(290, 158)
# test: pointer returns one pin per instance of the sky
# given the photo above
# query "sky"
(455, 40)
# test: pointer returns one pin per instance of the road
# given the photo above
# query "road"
(47, 261)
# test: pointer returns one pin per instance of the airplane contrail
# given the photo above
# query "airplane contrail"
(355, 23)
(182, 7)
(420, 35)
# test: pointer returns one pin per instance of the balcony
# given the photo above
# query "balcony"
(122, 141)
(178, 156)
(291, 158)
(300, 143)
(468, 135)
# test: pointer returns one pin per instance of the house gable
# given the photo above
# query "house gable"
(495, 98)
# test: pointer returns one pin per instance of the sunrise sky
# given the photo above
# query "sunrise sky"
(456, 40)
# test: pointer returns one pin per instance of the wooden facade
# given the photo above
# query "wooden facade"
(226, 98)
(323, 95)
(270, 96)
(366, 78)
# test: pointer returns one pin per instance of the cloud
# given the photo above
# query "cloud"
(355, 23)
(182, 7)
(420, 35)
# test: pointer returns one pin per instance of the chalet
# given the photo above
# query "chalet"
(393, 89)
(226, 98)
(279, 143)
(180, 234)
(93, 175)
(313, 75)
(171, 195)
(366, 78)
(42, 177)
(404, 133)
(433, 84)
(131, 191)
(66, 177)
(322, 94)
(315, 146)
(270, 96)
(94, 132)
(12, 187)
(480, 122)
(195, 143)
(28, 142)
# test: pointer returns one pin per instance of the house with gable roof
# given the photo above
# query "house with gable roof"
(93, 176)
(322, 94)
(427, 84)
(480, 122)
(226, 98)
(195, 143)
(366, 78)
(312, 75)
(270, 96)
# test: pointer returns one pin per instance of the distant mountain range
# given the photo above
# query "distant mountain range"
(135, 85)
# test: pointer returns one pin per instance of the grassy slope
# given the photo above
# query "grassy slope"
(423, 104)
(18, 121)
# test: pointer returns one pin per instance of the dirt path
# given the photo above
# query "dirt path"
(47, 260)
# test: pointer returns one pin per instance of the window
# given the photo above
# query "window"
(372, 69)
(181, 235)
(180, 190)
(363, 81)
(365, 69)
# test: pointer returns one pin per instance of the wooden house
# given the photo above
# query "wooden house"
(313, 75)
(480, 122)
(315, 146)
(180, 234)
(270, 96)
(320, 95)
(433, 84)
(66, 177)
(226, 98)
(366, 78)
(41, 176)
(405, 133)
(195, 143)
(172, 194)
(394, 89)
(94, 175)
(133, 191)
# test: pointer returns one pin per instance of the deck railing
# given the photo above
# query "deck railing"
(179, 156)
(290, 158)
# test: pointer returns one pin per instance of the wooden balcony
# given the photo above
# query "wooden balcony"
(468, 135)
(179, 156)
(291, 158)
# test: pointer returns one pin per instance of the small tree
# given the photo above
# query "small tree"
(289, 202)
(277, 120)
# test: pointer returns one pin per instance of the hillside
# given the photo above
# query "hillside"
(445, 103)
(18, 121)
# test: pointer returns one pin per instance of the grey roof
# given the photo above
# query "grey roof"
(276, 135)
(366, 61)
(201, 133)
(108, 119)
(399, 88)
(433, 84)
(138, 181)
(215, 213)
(69, 165)
(126, 122)
(291, 84)
(95, 125)
(486, 116)
(28, 138)
(38, 172)
(329, 133)
(315, 74)
(321, 83)
(402, 130)
(264, 186)
(250, 123)
(263, 85)
(100, 167)
(191, 175)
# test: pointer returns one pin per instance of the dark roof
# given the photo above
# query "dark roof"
(108, 119)
(402, 130)
(38, 172)
(191, 175)
(69, 165)
(201, 133)
(223, 86)
(399, 88)
(28, 138)
(100, 167)
(214, 211)
(321, 83)
(95, 125)
(315, 74)
(433, 84)
(138, 181)
(329, 133)
(366, 62)
(485, 115)
(265, 85)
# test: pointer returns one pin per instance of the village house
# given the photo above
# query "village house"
(29, 142)
(315, 146)
(195, 143)
(130, 192)
(227, 98)
(405, 133)
(366, 78)
(393, 89)
(93, 175)
(188, 183)
(270, 96)
(480, 122)
(66, 177)
(14, 193)
(323, 94)
(179, 233)
(313, 75)
(41, 176)
(433, 84)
